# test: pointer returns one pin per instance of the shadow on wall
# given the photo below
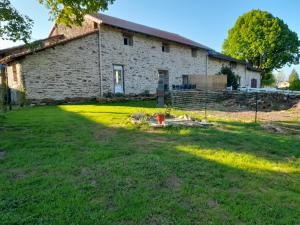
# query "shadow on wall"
(10, 96)
(79, 161)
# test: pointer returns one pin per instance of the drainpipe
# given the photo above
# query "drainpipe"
(206, 70)
(206, 79)
(100, 63)
(246, 83)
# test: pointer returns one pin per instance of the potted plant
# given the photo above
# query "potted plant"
(160, 118)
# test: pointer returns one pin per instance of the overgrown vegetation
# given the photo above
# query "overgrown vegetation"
(232, 78)
(84, 164)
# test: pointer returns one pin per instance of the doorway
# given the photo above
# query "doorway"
(253, 83)
(118, 79)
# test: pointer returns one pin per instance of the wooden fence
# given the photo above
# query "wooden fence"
(211, 82)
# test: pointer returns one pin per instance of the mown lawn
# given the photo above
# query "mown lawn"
(84, 164)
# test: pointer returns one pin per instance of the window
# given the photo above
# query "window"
(95, 25)
(128, 39)
(233, 65)
(118, 73)
(165, 47)
(185, 79)
(194, 52)
(253, 83)
(15, 75)
(238, 80)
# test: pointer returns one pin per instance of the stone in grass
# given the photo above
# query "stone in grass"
(2, 154)
(138, 117)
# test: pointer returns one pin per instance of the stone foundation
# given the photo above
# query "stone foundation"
(48, 101)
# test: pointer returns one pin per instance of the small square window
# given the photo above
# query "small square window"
(194, 52)
(128, 40)
(165, 47)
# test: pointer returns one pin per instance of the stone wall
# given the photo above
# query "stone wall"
(70, 70)
(73, 31)
(233, 100)
(253, 75)
(215, 66)
(143, 60)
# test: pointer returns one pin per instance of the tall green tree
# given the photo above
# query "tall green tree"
(294, 76)
(72, 11)
(15, 26)
(294, 80)
(263, 40)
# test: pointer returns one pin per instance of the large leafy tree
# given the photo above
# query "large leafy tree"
(72, 11)
(294, 80)
(262, 40)
(15, 26)
(294, 76)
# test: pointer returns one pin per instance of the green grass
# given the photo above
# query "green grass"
(85, 164)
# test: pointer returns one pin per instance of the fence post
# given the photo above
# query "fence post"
(256, 106)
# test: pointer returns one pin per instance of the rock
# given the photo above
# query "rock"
(138, 116)
(2, 154)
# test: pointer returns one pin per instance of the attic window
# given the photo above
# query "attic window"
(128, 39)
(95, 25)
(194, 52)
(165, 47)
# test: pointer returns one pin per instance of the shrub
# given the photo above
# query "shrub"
(295, 86)
(232, 78)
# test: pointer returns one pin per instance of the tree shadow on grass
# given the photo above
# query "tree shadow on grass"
(66, 168)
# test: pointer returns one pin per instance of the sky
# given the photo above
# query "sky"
(206, 22)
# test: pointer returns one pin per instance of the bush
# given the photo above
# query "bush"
(232, 78)
(295, 86)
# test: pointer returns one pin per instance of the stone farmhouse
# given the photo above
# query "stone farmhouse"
(107, 55)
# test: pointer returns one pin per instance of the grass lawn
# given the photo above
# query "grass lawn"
(85, 164)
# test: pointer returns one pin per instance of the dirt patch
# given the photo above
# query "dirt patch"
(212, 203)
(17, 174)
(273, 128)
(103, 135)
(172, 183)
(282, 128)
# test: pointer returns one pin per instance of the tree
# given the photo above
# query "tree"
(263, 40)
(294, 76)
(294, 80)
(15, 26)
(72, 11)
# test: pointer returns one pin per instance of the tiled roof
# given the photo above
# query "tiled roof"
(27, 51)
(218, 55)
(24, 47)
(135, 27)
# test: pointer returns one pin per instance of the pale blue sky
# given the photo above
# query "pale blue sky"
(203, 21)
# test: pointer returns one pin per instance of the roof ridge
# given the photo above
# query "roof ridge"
(148, 30)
